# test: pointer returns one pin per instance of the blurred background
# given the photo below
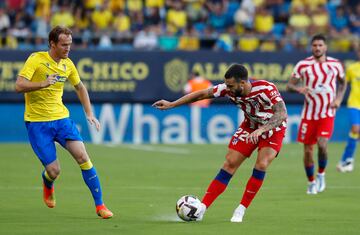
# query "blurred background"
(130, 53)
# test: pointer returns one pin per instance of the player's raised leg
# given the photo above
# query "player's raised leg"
(233, 160)
(78, 151)
(41, 138)
(265, 156)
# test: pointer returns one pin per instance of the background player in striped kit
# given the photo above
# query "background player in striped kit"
(320, 79)
(263, 128)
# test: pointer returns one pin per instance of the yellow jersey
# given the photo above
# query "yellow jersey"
(46, 104)
(353, 78)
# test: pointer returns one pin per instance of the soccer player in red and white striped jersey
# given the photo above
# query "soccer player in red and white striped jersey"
(321, 80)
(263, 128)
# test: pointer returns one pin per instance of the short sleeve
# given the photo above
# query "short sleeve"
(296, 73)
(220, 90)
(74, 77)
(29, 67)
(273, 94)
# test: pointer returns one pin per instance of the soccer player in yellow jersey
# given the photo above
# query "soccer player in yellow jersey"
(47, 119)
(346, 163)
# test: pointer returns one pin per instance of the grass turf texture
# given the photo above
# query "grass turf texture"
(141, 185)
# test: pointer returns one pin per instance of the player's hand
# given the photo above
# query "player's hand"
(93, 121)
(254, 136)
(335, 104)
(50, 80)
(304, 90)
(163, 104)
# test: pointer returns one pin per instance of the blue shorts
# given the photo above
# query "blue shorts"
(354, 116)
(43, 134)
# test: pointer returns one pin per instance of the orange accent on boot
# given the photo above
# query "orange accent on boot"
(49, 196)
(103, 212)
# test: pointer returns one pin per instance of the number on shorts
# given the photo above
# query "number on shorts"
(241, 134)
(304, 128)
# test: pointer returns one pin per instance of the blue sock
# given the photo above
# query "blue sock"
(350, 149)
(223, 176)
(310, 172)
(322, 165)
(92, 181)
(46, 179)
(257, 174)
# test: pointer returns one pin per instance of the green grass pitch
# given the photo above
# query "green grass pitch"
(141, 185)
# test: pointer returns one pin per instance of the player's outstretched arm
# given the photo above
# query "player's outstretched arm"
(84, 98)
(24, 85)
(186, 99)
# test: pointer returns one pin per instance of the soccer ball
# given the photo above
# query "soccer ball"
(188, 208)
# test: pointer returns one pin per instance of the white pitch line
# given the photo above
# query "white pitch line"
(153, 148)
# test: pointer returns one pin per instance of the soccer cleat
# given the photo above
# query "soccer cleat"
(311, 188)
(49, 196)
(104, 212)
(201, 212)
(347, 166)
(238, 214)
(320, 182)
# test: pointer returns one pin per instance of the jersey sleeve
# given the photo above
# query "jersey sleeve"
(273, 94)
(220, 90)
(296, 73)
(29, 67)
(74, 77)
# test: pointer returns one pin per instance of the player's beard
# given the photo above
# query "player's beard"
(317, 55)
(239, 92)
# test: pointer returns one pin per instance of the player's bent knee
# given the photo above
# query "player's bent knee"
(230, 166)
(82, 157)
(53, 172)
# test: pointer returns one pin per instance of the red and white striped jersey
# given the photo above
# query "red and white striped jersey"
(257, 105)
(321, 79)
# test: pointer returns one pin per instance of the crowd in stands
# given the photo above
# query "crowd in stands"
(227, 25)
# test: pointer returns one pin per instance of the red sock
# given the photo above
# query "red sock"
(214, 190)
(252, 187)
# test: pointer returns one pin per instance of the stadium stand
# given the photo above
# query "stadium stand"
(228, 25)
